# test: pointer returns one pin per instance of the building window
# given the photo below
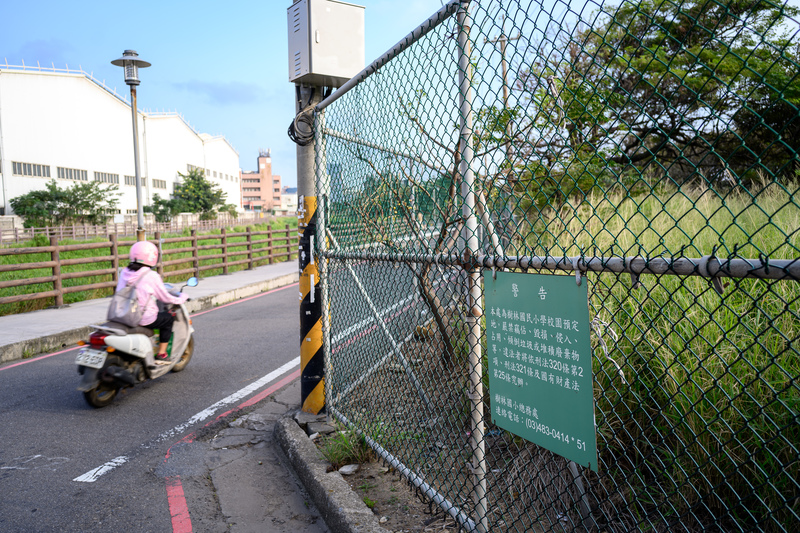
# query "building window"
(30, 169)
(105, 177)
(159, 184)
(131, 211)
(252, 198)
(131, 180)
(72, 174)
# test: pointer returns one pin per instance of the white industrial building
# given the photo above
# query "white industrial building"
(65, 125)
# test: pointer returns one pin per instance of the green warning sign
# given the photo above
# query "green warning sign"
(540, 362)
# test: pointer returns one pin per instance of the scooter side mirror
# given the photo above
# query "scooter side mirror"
(192, 282)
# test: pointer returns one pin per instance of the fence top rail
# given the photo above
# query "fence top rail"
(437, 18)
(27, 250)
(173, 239)
(84, 246)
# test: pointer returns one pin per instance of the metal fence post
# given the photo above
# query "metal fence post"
(312, 393)
(470, 243)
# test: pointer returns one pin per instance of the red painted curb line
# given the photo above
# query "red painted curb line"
(178, 510)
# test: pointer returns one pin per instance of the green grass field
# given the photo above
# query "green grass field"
(32, 305)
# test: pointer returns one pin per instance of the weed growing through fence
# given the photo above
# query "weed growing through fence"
(345, 447)
(707, 398)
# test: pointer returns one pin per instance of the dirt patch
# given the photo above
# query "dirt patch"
(395, 502)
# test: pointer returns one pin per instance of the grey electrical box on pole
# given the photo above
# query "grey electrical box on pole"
(326, 42)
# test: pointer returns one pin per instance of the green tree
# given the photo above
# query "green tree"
(89, 203)
(231, 209)
(164, 209)
(695, 90)
(198, 195)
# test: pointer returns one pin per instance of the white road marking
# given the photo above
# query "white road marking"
(35, 462)
(236, 396)
(92, 475)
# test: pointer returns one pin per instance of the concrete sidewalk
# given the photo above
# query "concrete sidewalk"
(265, 471)
(268, 439)
(28, 334)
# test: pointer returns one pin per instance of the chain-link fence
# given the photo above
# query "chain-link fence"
(653, 147)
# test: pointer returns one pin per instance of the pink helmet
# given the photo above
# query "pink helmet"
(144, 252)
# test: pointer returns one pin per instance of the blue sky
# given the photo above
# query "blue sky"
(222, 65)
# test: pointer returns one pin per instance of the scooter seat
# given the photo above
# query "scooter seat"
(128, 329)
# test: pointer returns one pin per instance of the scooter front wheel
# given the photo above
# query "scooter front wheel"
(186, 357)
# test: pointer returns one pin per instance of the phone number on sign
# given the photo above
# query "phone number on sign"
(550, 432)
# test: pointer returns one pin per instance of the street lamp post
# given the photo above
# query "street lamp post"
(131, 63)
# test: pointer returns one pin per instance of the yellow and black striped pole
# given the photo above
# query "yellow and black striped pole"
(312, 367)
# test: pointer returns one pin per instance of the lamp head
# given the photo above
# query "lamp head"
(131, 63)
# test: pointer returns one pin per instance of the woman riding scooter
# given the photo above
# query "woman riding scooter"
(149, 288)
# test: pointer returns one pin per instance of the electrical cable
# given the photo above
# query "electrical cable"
(301, 130)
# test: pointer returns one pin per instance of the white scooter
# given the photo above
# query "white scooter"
(119, 356)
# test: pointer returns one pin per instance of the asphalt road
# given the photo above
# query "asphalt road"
(366, 292)
(49, 436)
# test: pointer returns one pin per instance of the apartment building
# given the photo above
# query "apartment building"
(261, 190)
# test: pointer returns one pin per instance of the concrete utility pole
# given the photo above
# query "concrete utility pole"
(312, 357)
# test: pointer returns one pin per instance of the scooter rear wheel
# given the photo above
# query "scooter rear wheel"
(105, 391)
(186, 357)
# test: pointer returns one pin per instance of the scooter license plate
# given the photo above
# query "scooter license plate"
(91, 358)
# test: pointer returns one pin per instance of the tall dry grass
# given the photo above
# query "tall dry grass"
(698, 397)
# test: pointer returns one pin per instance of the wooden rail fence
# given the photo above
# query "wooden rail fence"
(258, 247)
(127, 228)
